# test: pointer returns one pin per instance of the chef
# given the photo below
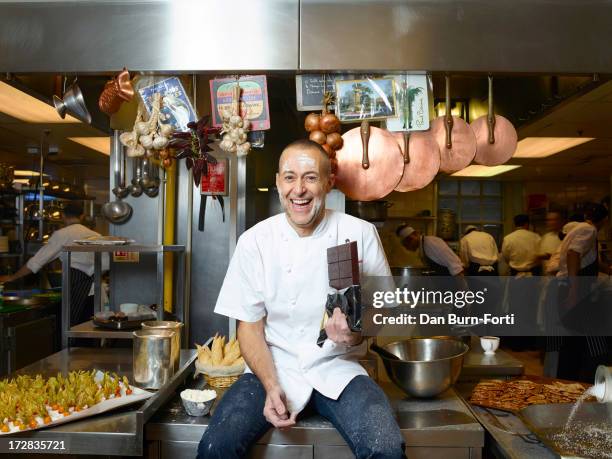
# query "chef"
(276, 287)
(551, 240)
(478, 252)
(81, 263)
(435, 254)
(579, 265)
(520, 248)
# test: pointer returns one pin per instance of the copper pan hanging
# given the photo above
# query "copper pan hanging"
(370, 164)
(496, 138)
(421, 159)
(455, 139)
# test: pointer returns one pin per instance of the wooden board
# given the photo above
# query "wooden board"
(516, 394)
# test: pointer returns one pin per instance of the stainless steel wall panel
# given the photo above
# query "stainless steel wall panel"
(549, 36)
(161, 36)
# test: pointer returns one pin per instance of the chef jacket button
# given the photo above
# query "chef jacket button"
(293, 302)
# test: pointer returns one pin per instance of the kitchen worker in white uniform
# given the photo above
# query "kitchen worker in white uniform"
(435, 254)
(520, 248)
(276, 286)
(478, 252)
(551, 240)
(579, 265)
(81, 263)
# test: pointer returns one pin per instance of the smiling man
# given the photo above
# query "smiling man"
(276, 287)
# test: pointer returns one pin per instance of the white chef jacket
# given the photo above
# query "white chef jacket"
(549, 244)
(276, 274)
(439, 251)
(478, 247)
(83, 261)
(520, 249)
(582, 239)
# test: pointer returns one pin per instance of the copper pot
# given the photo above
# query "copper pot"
(496, 138)
(455, 139)
(421, 158)
(370, 164)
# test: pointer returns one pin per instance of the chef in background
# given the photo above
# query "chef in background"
(81, 263)
(478, 252)
(579, 265)
(550, 241)
(520, 249)
(435, 254)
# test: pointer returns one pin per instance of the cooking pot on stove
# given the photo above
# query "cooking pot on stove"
(372, 211)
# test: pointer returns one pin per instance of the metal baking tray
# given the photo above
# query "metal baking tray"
(590, 434)
(133, 321)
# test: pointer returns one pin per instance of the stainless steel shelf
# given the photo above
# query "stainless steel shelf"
(89, 330)
(124, 248)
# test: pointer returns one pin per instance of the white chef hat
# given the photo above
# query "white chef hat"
(469, 228)
(405, 232)
(569, 226)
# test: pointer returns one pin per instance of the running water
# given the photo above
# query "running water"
(594, 391)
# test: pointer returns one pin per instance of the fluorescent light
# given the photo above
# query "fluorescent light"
(26, 173)
(262, 189)
(23, 181)
(484, 171)
(541, 147)
(24, 107)
(101, 144)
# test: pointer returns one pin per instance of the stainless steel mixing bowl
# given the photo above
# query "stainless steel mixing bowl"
(427, 366)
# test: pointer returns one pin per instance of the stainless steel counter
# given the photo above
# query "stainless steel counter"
(119, 432)
(507, 435)
(439, 427)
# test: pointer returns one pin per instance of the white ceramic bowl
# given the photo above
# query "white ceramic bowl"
(192, 406)
(489, 344)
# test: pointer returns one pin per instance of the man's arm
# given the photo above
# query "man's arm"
(23, 271)
(258, 357)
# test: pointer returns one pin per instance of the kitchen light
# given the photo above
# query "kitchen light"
(23, 181)
(262, 189)
(484, 171)
(26, 173)
(24, 107)
(541, 147)
(101, 144)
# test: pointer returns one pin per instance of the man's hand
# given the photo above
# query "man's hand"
(6, 279)
(275, 409)
(338, 331)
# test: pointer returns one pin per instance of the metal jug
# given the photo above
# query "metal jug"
(153, 366)
(176, 340)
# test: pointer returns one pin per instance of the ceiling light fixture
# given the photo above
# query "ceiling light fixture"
(101, 144)
(26, 173)
(484, 171)
(22, 106)
(541, 147)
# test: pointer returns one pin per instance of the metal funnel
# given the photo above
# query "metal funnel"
(72, 103)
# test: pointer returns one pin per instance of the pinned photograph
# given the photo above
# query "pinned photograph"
(365, 99)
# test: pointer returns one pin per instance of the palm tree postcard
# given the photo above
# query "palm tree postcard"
(365, 99)
(412, 95)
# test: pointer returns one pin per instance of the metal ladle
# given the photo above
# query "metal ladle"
(117, 211)
(136, 188)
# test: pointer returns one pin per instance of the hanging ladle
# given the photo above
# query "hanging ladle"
(117, 211)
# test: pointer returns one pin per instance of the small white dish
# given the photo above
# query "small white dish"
(489, 344)
(128, 308)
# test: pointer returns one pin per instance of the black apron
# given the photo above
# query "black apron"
(433, 268)
(474, 270)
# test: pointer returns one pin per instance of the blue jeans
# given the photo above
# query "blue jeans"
(362, 415)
